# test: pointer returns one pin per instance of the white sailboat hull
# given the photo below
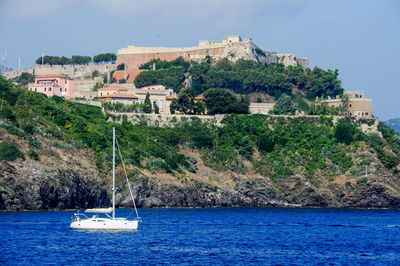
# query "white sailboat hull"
(105, 224)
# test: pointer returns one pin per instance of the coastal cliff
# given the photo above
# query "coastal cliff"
(41, 189)
(56, 154)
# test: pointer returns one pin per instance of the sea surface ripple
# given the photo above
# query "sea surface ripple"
(221, 236)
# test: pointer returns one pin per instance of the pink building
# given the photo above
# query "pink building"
(50, 85)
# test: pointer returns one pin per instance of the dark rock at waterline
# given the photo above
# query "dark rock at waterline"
(62, 189)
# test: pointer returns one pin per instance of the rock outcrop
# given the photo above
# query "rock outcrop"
(61, 189)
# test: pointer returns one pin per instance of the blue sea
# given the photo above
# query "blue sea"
(217, 236)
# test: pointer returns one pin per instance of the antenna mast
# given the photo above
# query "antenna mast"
(3, 66)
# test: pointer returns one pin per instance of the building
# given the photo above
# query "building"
(159, 96)
(107, 91)
(121, 98)
(358, 106)
(50, 85)
(232, 47)
(260, 108)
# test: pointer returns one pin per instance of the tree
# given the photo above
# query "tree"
(222, 101)
(104, 58)
(284, 105)
(345, 131)
(185, 103)
(121, 66)
(147, 104)
(199, 108)
(24, 78)
(95, 73)
(265, 143)
(156, 108)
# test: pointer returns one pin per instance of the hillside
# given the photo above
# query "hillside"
(394, 123)
(57, 154)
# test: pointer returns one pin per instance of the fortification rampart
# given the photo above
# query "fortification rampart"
(133, 56)
(72, 71)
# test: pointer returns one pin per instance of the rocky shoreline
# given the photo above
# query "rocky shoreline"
(70, 189)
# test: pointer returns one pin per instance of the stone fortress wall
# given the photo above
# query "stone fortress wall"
(232, 48)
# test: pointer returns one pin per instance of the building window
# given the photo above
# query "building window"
(350, 114)
(101, 94)
(49, 89)
(107, 93)
(350, 105)
(35, 89)
(65, 89)
(44, 89)
(366, 113)
(65, 82)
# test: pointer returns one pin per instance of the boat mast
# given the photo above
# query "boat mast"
(113, 187)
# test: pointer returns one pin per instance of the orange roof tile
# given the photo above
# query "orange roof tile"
(199, 98)
(132, 74)
(170, 97)
(118, 74)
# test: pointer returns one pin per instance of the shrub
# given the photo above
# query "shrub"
(265, 143)
(345, 131)
(33, 155)
(95, 73)
(121, 66)
(363, 180)
(10, 152)
(28, 129)
(156, 165)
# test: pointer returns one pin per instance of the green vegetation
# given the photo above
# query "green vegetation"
(10, 152)
(275, 146)
(171, 77)
(186, 104)
(95, 74)
(222, 101)
(121, 66)
(245, 77)
(104, 58)
(147, 104)
(56, 60)
(24, 78)
(160, 64)
(34, 155)
(120, 107)
(284, 105)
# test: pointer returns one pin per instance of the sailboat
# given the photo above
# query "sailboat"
(109, 222)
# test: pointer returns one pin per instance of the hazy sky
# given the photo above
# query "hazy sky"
(360, 37)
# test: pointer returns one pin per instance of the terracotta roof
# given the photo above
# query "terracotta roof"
(199, 98)
(130, 75)
(118, 74)
(113, 87)
(119, 95)
(170, 97)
